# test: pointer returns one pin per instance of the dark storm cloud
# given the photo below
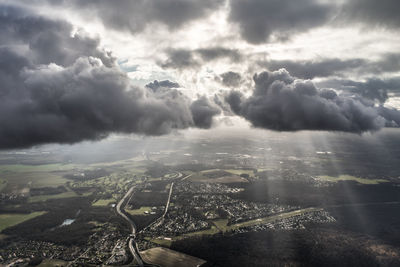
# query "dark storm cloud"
(391, 115)
(184, 58)
(203, 112)
(134, 16)
(280, 102)
(259, 19)
(372, 88)
(46, 41)
(382, 13)
(81, 95)
(155, 85)
(231, 79)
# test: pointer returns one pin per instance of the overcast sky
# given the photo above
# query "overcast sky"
(83, 69)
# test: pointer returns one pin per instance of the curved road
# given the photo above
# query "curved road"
(132, 244)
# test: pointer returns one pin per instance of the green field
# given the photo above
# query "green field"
(19, 176)
(139, 211)
(227, 177)
(161, 242)
(270, 218)
(52, 263)
(103, 202)
(3, 184)
(56, 196)
(221, 224)
(350, 178)
(239, 172)
(8, 220)
(36, 168)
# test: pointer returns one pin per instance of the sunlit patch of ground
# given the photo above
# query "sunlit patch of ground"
(103, 202)
(8, 220)
(217, 176)
(56, 196)
(221, 225)
(271, 218)
(350, 178)
(240, 171)
(3, 184)
(170, 258)
(140, 211)
(52, 263)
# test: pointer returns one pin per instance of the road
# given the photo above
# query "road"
(169, 199)
(132, 244)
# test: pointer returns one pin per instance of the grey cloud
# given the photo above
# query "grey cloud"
(280, 102)
(389, 62)
(309, 69)
(203, 112)
(87, 99)
(46, 41)
(383, 13)
(391, 115)
(155, 85)
(135, 16)
(179, 59)
(212, 53)
(258, 20)
(325, 67)
(231, 79)
(184, 58)
(372, 88)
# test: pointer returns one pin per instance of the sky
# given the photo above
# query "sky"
(81, 70)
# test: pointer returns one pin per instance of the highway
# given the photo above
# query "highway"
(169, 199)
(132, 244)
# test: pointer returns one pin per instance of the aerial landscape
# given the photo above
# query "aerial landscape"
(199, 133)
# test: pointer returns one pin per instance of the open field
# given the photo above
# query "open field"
(56, 196)
(270, 218)
(33, 179)
(52, 263)
(221, 224)
(170, 258)
(216, 176)
(103, 202)
(8, 220)
(220, 180)
(36, 168)
(18, 176)
(351, 178)
(240, 171)
(138, 211)
(161, 241)
(3, 184)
